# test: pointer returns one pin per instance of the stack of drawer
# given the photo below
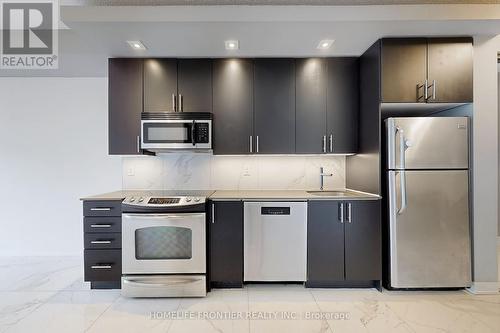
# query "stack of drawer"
(102, 226)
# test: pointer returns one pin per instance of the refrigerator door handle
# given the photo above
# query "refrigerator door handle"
(404, 200)
(402, 173)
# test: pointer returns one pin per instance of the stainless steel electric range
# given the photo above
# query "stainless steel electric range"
(164, 244)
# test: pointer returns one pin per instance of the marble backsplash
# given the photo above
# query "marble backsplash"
(185, 171)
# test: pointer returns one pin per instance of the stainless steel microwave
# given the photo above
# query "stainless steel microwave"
(168, 131)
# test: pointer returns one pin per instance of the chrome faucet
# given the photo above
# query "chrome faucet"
(321, 176)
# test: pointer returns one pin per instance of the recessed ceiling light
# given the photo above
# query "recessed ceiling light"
(232, 44)
(325, 44)
(136, 45)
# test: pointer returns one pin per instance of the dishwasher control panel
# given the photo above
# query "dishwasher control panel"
(275, 210)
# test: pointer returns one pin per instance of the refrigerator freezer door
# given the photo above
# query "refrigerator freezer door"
(427, 143)
(429, 240)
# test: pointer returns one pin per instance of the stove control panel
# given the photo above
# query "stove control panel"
(163, 201)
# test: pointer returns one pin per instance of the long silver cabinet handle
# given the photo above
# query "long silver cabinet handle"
(101, 209)
(138, 144)
(251, 144)
(100, 225)
(173, 103)
(426, 88)
(101, 267)
(181, 106)
(331, 143)
(101, 242)
(257, 144)
(324, 143)
(213, 213)
(341, 212)
(349, 213)
(434, 90)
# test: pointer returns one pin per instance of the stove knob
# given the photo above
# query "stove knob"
(188, 199)
(132, 199)
(196, 199)
(141, 199)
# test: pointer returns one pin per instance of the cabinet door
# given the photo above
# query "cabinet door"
(363, 241)
(404, 70)
(195, 85)
(274, 111)
(325, 242)
(226, 244)
(342, 105)
(160, 85)
(311, 106)
(232, 106)
(125, 106)
(450, 66)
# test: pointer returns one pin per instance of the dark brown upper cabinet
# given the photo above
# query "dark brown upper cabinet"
(194, 85)
(404, 70)
(450, 70)
(426, 70)
(183, 85)
(327, 97)
(160, 85)
(274, 106)
(342, 105)
(232, 106)
(311, 83)
(124, 106)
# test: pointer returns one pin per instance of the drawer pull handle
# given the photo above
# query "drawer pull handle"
(101, 242)
(100, 225)
(101, 267)
(101, 209)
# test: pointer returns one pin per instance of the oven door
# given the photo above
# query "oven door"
(163, 243)
(168, 134)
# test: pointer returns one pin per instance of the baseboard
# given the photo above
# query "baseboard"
(484, 288)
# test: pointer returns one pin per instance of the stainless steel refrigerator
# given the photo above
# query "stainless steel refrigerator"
(428, 202)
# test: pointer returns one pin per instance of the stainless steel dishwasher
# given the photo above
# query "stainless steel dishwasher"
(275, 237)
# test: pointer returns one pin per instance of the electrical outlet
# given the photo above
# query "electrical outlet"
(246, 172)
(131, 171)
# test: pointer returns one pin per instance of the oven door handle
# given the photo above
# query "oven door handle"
(158, 216)
(152, 284)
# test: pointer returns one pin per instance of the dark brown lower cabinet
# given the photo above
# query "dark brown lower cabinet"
(344, 244)
(225, 247)
(102, 243)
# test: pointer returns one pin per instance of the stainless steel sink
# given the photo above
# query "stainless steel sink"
(337, 193)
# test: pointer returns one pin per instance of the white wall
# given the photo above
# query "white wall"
(485, 168)
(204, 171)
(53, 134)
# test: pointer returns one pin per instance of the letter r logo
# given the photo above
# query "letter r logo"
(27, 28)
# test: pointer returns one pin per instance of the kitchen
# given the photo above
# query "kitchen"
(324, 153)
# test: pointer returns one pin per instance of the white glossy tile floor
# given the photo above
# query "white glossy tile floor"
(49, 295)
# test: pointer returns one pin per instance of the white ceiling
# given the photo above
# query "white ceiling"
(97, 33)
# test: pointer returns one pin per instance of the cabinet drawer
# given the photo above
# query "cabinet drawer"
(102, 224)
(102, 208)
(108, 240)
(103, 265)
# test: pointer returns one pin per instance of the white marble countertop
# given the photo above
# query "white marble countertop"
(250, 195)
(274, 195)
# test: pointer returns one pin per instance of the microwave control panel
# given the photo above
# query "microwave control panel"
(202, 133)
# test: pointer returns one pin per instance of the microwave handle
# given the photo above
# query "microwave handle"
(193, 136)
